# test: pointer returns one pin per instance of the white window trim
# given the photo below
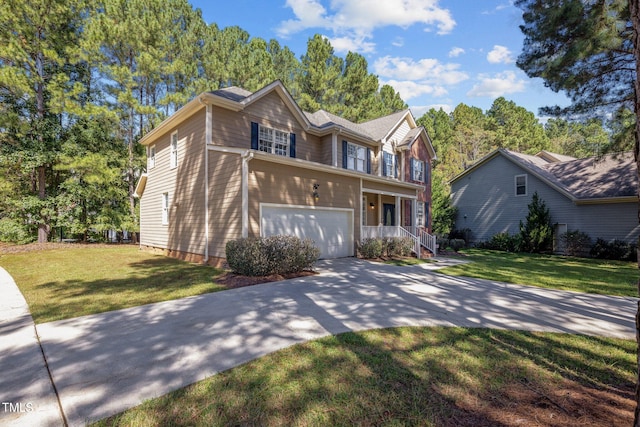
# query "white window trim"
(526, 185)
(415, 177)
(276, 146)
(420, 222)
(391, 168)
(359, 149)
(173, 144)
(152, 157)
(165, 208)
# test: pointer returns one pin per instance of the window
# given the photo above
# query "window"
(273, 141)
(521, 185)
(174, 150)
(417, 170)
(165, 208)
(356, 158)
(420, 214)
(152, 157)
(389, 165)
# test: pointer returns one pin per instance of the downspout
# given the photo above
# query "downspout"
(246, 158)
(208, 141)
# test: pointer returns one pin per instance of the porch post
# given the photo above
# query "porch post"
(398, 213)
(380, 209)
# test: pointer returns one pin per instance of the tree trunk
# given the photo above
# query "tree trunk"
(634, 9)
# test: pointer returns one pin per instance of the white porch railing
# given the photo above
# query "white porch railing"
(426, 240)
(419, 236)
(390, 231)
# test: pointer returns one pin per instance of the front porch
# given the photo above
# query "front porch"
(385, 215)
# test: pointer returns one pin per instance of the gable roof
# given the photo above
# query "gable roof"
(320, 123)
(591, 180)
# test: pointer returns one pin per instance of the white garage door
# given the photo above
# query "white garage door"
(330, 229)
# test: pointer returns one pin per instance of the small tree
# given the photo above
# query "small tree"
(536, 235)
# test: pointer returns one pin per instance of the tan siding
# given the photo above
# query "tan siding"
(233, 129)
(326, 147)
(387, 188)
(185, 185)
(282, 184)
(225, 200)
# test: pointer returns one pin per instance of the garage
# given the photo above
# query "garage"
(330, 228)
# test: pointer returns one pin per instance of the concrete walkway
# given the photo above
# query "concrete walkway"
(105, 363)
(27, 397)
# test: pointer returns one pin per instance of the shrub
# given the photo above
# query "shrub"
(14, 231)
(371, 248)
(464, 234)
(456, 244)
(614, 250)
(536, 234)
(271, 255)
(502, 242)
(576, 243)
(386, 246)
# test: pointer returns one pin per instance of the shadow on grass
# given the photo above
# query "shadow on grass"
(151, 280)
(414, 376)
(578, 274)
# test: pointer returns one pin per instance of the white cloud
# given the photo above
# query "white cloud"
(408, 89)
(498, 85)
(419, 110)
(353, 44)
(455, 52)
(398, 42)
(500, 54)
(357, 19)
(428, 69)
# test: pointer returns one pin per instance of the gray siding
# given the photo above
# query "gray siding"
(487, 205)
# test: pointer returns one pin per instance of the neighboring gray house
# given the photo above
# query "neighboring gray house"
(597, 196)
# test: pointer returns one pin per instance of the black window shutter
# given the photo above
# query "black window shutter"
(292, 145)
(384, 164)
(368, 160)
(396, 173)
(254, 136)
(411, 168)
(344, 154)
(426, 172)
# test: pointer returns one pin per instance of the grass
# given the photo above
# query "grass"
(413, 376)
(550, 271)
(65, 283)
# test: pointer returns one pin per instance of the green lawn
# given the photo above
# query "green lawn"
(550, 271)
(64, 283)
(416, 377)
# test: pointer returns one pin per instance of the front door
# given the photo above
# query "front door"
(388, 214)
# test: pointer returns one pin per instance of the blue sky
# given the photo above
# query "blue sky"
(436, 53)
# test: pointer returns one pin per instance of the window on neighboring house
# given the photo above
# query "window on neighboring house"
(389, 165)
(417, 170)
(174, 150)
(165, 208)
(521, 185)
(420, 214)
(356, 157)
(152, 157)
(273, 141)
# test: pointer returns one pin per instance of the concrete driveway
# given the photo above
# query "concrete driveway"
(105, 363)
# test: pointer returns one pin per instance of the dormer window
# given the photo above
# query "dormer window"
(356, 157)
(273, 141)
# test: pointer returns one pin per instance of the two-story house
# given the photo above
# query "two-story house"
(232, 164)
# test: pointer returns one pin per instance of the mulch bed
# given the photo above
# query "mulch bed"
(232, 280)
